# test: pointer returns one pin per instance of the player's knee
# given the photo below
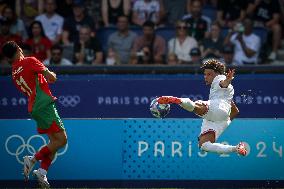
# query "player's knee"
(63, 141)
(205, 146)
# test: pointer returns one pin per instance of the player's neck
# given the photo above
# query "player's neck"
(21, 57)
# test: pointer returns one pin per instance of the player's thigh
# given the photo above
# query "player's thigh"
(48, 119)
(207, 137)
(59, 138)
(201, 107)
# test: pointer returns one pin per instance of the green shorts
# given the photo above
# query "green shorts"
(47, 119)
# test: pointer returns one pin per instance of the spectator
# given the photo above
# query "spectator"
(172, 59)
(111, 9)
(56, 57)
(198, 24)
(51, 21)
(73, 24)
(17, 25)
(172, 11)
(266, 13)
(195, 56)
(146, 10)
(5, 3)
(27, 50)
(182, 44)
(38, 42)
(6, 35)
(27, 10)
(246, 45)
(112, 57)
(64, 8)
(148, 47)
(94, 10)
(87, 49)
(231, 12)
(282, 13)
(212, 45)
(121, 42)
(228, 54)
(210, 3)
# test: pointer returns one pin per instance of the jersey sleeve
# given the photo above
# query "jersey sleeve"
(36, 65)
(216, 81)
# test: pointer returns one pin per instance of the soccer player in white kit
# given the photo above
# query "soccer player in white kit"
(217, 112)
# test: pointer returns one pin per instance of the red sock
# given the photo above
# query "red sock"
(45, 163)
(44, 152)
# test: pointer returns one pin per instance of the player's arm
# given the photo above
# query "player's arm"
(49, 76)
(234, 110)
(229, 77)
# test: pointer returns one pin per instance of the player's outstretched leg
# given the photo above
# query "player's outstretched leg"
(29, 163)
(168, 100)
(218, 147)
(199, 108)
(208, 144)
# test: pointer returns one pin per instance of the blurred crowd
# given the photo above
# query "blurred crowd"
(66, 32)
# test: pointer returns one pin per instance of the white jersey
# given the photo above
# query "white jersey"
(219, 101)
(52, 26)
(219, 93)
(217, 118)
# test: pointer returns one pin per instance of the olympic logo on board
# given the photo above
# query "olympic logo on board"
(69, 100)
(18, 152)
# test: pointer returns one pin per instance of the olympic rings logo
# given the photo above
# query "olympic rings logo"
(69, 101)
(18, 153)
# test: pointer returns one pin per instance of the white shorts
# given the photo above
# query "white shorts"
(217, 119)
(217, 126)
(219, 110)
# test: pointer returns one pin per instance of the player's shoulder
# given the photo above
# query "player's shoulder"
(219, 77)
(31, 59)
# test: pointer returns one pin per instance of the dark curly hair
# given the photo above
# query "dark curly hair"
(9, 49)
(214, 64)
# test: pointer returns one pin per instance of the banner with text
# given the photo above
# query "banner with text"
(123, 96)
(147, 149)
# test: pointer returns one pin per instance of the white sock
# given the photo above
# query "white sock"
(187, 104)
(42, 171)
(218, 148)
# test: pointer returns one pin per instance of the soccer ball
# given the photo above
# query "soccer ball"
(159, 110)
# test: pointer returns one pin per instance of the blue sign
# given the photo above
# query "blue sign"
(151, 149)
(124, 96)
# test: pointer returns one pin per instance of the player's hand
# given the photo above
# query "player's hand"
(203, 108)
(51, 78)
(230, 75)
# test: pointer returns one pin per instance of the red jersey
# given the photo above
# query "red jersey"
(28, 78)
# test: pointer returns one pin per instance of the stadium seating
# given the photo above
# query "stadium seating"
(167, 33)
(260, 31)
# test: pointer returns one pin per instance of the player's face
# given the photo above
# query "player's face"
(209, 75)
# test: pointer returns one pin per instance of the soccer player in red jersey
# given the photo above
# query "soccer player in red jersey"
(31, 77)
